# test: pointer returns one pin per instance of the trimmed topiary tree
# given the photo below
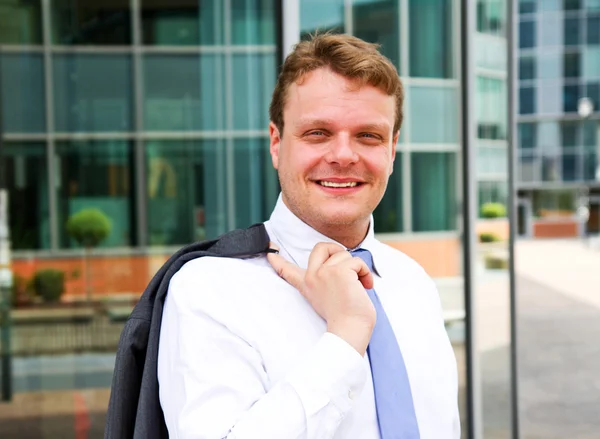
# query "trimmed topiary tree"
(493, 210)
(89, 227)
(48, 284)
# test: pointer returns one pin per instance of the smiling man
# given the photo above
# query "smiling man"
(338, 335)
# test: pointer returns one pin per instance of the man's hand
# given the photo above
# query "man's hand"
(334, 284)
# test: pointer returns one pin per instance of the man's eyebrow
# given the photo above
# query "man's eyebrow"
(328, 122)
(314, 122)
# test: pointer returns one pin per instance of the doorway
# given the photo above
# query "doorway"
(524, 217)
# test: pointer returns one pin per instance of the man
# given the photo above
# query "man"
(316, 341)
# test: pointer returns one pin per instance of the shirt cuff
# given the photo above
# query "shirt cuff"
(334, 373)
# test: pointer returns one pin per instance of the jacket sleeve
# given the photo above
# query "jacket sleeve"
(213, 384)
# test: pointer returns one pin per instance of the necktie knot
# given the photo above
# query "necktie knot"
(365, 255)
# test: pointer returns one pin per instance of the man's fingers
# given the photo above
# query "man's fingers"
(364, 274)
(291, 273)
(321, 253)
(337, 258)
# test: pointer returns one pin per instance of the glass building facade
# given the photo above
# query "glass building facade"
(558, 148)
(156, 113)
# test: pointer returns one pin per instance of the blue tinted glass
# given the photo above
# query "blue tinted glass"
(571, 5)
(253, 82)
(256, 183)
(182, 22)
(526, 34)
(22, 90)
(527, 67)
(378, 22)
(589, 166)
(253, 22)
(571, 65)
(21, 22)
(92, 92)
(433, 184)
(569, 167)
(388, 215)
(526, 6)
(95, 22)
(431, 48)
(527, 135)
(317, 15)
(593, 92)
(527, 100)
(28, 206)
(184, 92)
(570, 98)
(593, 30)
(433, 107)
(572, 31)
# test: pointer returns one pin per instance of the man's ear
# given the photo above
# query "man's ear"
(275, 144)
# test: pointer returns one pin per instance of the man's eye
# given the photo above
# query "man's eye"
(369, 136)
(316, 133)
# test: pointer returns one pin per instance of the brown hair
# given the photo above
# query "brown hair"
(345, 55)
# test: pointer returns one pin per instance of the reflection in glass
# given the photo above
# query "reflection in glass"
(526, 34)
(92, 92)
(433, 106)
(184, 92)
(526, 100)
(182, 22)
(186, 190)
(550, 28)
(253, 82)
(572, 5)
(27, 184)
(253, 22)
(492, 160)
(572, 31)
(433, 187)
(527, 135)
(569, 167)
(590, 165)
(527, 67)
(492, 192)
(21, 22)
(23, 102)
(94, 22)
(431, 48)
(593, 91)
(550, 64)
(593, 30)
(569, 134)
(388, 216)
(591, 63)
(378, 22)
(529, 168)
(491, 16)
(256, 182)
(570, 98)
(551, 168)
(527, 6)
(99, 174)
(549, 137)
(491, 110)
(571, 65)
(317, 15)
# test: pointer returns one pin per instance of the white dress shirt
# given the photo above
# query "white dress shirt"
(243, 355)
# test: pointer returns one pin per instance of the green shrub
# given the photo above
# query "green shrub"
(49, 284)
(488, 237)
(89, 227)
(493, 210)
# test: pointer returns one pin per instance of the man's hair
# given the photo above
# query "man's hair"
(345, 55)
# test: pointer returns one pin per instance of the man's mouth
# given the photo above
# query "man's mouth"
(337, 184)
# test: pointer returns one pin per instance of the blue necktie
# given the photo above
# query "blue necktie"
(393, 397)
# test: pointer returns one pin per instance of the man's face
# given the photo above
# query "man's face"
(337, 150)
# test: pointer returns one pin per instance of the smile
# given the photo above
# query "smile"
(332, 184)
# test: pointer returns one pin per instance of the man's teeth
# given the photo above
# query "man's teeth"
(332, 184)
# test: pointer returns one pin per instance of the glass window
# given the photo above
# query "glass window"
(571, 5)
(570, 98)
(593, 30)
(526, 100)
(550, 64)
(592, 5)
(98, 174)
(492, 192)
(570, 170)
(526, 6)
(569, 134)
(184, 92)
(529, 168)
(187, 192)
(593, 92)
(93, 92)
(527, 67)
(527, 34)
(21, 22)
(317, 15)
(589, 165)
(433, 106)
(94, 22)
(550, 5)
(431, 34)
(388, 215)
(549, 97)
(377, 21)
(572, 31)
(548, 137)
(591, 64)
(571, 65)
(590, 134)
(182, 22)
(22, 90)
(28, 206)
(253, 82)
(256, 182)
(492, 161)
(551, 167)
(527, 135)
(491, 110)
(490, 53)
(433, 187)
(253, 22)
(551, 29)
(490, 16)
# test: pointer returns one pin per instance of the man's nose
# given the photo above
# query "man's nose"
(341, 151)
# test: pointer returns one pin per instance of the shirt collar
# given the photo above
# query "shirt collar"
(298, 238)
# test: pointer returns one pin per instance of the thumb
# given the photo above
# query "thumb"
(291, 273)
